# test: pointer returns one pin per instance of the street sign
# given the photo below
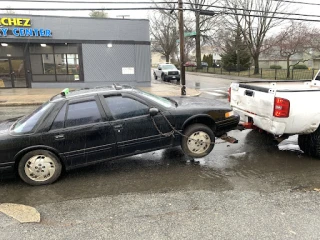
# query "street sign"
(189, 34)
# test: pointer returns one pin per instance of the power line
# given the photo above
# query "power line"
(306, 3)
(86, 2)
(160, 2)
(81, 9)
(260, 11)
(157, 8)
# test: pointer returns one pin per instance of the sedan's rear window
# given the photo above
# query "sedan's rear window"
(28, 123)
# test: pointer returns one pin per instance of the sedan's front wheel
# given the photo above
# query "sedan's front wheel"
(39, 167)
(198, 140)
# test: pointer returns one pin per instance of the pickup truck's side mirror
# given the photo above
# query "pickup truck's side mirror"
(159, 68)
(153, 111)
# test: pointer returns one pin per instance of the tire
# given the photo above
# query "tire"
(162, 78)
(302, 140)
(310, 143)
(203, 134)
(155, 76)
(31, 163)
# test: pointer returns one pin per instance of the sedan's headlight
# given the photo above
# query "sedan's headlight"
(229, 114)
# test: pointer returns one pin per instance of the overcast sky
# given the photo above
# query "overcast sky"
(138, 14)
(297, 8)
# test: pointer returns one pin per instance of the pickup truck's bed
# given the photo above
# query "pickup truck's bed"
(280, 86)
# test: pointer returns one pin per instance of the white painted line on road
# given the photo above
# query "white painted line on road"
(215, 94)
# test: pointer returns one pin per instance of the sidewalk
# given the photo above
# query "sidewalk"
(37, 96)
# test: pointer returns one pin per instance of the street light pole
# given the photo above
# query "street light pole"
(181, 34)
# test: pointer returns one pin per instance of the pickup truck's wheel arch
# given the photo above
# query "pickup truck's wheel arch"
(155, 76)
(310, 143)
(198, 140)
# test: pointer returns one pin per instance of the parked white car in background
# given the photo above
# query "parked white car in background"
(166, 72)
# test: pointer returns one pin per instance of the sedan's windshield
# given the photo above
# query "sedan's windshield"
(28, 123)
(169, 67)
(162, 101)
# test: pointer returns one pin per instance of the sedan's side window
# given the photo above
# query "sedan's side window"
(82, 113)
(59, 120)
(122, 107)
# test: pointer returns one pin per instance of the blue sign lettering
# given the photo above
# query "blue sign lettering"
(15, 32)
(4, 31)
(21, 32)
(36, 32)
(28, 32)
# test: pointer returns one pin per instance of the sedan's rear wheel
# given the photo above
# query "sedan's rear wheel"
(198, 141)
(39, 167)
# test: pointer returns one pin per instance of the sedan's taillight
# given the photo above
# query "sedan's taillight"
(281, 107)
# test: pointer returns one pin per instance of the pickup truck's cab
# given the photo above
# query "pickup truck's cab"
(166, 72)
(281, 108)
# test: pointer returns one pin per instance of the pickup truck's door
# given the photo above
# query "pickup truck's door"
(254, 100)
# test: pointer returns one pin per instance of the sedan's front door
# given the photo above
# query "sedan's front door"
(134, 129)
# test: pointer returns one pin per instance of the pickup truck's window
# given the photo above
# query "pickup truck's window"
(83, 113)
(121, 107)
(59, 120)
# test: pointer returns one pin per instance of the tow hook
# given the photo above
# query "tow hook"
(229, 139)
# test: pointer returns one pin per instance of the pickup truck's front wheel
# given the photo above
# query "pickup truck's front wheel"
(198, 140)
(310, 143)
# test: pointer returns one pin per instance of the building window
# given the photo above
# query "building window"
(73, 63)
(48, 64)
(61, 63)
(55, 63)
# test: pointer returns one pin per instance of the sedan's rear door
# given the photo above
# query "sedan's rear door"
(82, 133)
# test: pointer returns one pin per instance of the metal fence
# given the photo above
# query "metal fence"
(264, 73)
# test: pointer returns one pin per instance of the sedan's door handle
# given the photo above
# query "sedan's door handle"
(59, 137)
(118, 128)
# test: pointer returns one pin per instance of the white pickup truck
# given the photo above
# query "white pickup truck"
(282, 108)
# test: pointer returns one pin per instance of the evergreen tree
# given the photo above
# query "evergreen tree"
(233, 48)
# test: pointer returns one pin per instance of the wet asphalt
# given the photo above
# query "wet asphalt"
(254, 189)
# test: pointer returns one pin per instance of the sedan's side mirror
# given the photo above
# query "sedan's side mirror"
(153, 111)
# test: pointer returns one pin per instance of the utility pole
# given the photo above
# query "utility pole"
(181, 34)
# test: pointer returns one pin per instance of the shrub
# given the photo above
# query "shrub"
(275, 67)
(300, 66)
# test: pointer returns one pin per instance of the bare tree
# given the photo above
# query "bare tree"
(164, 34)
(254, 19)
(295, 39)
(193, 20)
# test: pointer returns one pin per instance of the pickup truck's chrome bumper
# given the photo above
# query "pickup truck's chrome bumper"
(267, 124)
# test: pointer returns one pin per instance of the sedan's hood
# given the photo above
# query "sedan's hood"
(198, 102)
(6, 124)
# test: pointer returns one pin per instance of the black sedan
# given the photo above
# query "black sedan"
(88, 126)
